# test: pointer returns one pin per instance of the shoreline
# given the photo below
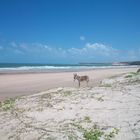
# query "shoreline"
(39, 71)
(19, 84)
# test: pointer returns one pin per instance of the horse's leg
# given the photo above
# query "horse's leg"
(87, 82)
(79, 83)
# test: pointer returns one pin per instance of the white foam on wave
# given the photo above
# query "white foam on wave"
(26, 68)
(34, 68)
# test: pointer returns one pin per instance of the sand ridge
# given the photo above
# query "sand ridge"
(112, 109)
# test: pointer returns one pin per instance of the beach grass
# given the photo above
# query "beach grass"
(7, 104)
(106, 85)
(131, 74)
(96, 132)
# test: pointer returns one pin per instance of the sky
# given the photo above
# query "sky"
(69, 31)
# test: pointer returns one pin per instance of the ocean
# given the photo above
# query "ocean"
(4, 67)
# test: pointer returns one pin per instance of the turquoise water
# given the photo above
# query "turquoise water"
(33, 66)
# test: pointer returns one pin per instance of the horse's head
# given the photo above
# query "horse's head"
(74, 76)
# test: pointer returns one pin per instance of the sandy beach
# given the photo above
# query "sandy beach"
(12, 85)
(107, 111)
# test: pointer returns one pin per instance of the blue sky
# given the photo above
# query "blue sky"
(69, 31)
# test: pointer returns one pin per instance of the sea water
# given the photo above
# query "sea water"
(55, 67)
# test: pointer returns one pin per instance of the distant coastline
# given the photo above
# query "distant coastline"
(114, 63)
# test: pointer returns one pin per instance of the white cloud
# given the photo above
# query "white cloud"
(82, 38)
(91, 52)
(97, 46)
(94, 49)
(103, 49)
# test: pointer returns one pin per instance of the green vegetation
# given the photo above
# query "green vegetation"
(93, 134)
(96, 134)
(111, 134)
(67, 93)
(7, 104)
(106, 85)
(87, 119)
(133, 77)
(128, 76)
(71, 137)
(46, 96)
(132, 74)
(100, 99)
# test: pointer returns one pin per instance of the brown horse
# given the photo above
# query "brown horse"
(138, 71)
(81, 78)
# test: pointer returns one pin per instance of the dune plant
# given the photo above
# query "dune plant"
(93, 134)
(7, 104)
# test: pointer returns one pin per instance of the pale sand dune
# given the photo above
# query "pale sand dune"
(28, 83)
(112, 108)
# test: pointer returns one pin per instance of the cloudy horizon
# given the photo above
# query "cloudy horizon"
(37, 52)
